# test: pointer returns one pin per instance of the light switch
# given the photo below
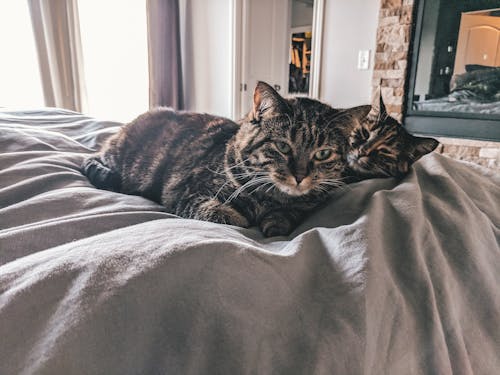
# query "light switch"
(364, 59)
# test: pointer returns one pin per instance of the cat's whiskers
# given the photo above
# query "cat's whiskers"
(262, 186)
(336, 183)
(245, 186)
(226, 169)
(321, 189)
(333, 184)
(220, 189)
(243, 175)
(238, 176)
(337, 179)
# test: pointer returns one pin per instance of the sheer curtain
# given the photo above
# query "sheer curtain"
(57, 37)
(115, 53)
(165, 72)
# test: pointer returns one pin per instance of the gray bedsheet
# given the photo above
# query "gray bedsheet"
(389, 277)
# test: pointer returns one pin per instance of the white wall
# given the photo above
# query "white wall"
(206, 30)
(349, 26)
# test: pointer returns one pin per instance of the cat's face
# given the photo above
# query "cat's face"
(383, 148)
(295, 145)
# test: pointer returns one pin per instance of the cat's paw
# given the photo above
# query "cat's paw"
(216, 212)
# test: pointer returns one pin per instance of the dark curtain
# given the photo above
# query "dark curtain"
(165, 71)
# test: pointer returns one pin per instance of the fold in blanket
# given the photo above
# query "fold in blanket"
(389, 277)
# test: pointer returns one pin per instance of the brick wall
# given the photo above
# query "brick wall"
(391, 62)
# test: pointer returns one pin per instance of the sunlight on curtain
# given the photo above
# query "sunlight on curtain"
(20, 84)
(115, 57)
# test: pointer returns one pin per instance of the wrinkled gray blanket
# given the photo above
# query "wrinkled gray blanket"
(389, 277)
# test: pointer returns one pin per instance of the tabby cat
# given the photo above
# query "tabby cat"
(379, 146)
(269, 170)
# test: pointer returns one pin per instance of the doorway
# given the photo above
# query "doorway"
(279, 42)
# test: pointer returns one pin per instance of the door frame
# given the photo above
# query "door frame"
(238, 39)
(317, 43)
(236, 63)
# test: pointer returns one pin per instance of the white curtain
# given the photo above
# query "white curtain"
(57, 36)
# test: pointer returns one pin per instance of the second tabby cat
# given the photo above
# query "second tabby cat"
(380, 147)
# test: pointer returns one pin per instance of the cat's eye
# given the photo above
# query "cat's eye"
(283, 147)
(354, 142)
(323, 154)
(365, 133)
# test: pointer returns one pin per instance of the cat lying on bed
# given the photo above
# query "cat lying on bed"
(379, 146)
(270, 170)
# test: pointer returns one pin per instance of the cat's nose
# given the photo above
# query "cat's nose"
(299, 178)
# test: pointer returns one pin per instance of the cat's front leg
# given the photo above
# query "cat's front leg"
(215, 211)
(277, 223)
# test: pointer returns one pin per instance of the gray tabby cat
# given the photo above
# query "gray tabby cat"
(270, 170)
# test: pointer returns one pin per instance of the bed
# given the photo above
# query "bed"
(388, 277)
(477, 90)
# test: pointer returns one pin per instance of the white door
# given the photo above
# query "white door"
(265, 47)
(478, 41)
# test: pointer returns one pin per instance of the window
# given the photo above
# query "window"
(115, 57)
(20, 85)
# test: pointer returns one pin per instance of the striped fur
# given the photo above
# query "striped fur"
(380, 147)
(269, 170)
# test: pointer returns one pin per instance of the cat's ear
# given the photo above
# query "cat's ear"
(359, 112)
(266, 102)
(379, 106)
(382, 110)
(422, 146)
